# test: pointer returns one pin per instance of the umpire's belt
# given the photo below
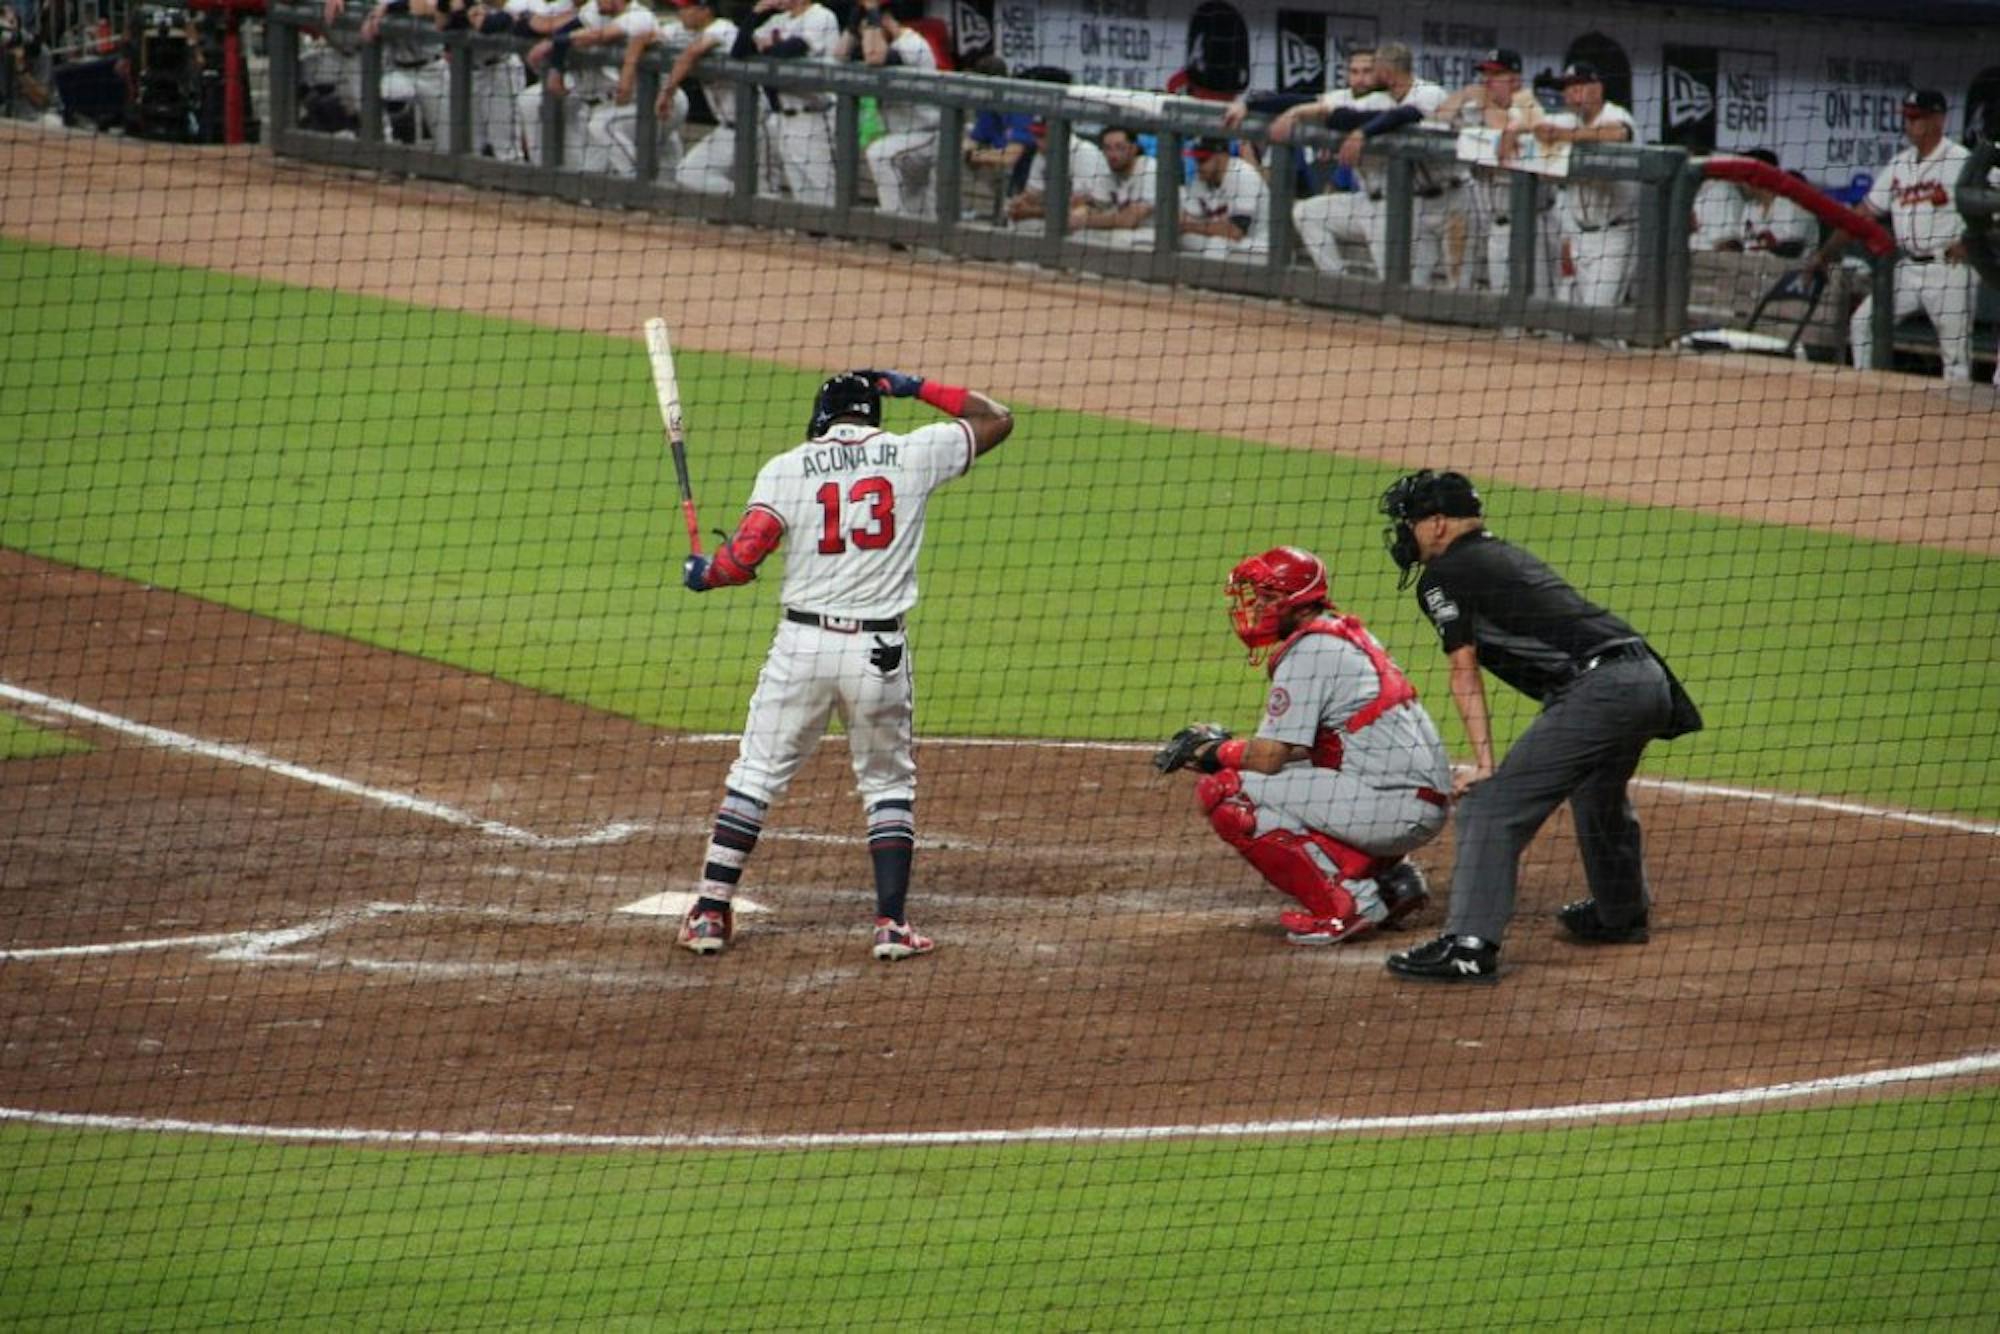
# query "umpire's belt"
(844, 625)
(1624, 648)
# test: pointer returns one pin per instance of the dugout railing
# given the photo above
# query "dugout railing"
(1653, 315)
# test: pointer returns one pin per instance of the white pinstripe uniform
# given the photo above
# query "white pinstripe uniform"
(901, 160)
(852, 506)
(802, 127)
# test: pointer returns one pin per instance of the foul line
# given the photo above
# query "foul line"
(619, 830)
(1331, 1125)
(256, 759)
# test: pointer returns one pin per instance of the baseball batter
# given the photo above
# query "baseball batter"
(1914, 193)
(1346, 773)
(852, 498)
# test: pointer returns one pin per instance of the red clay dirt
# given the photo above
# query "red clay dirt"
(463, 966)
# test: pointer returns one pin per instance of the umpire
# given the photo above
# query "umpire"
(1604, 695)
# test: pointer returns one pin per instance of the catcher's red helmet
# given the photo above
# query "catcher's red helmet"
(1265, 589)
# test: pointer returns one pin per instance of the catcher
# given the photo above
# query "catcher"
(1346, 773)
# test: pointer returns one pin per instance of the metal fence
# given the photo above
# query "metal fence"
(1654, 313)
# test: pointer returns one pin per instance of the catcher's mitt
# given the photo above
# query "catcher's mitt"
(1184, 745)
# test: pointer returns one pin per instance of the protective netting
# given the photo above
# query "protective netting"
(362, 753)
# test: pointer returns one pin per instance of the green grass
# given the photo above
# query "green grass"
(22, 740)
(495, 496)
(1851, 1217)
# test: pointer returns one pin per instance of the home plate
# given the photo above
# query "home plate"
(675, 903)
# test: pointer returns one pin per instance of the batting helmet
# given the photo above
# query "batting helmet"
(848, 394)
(1265, 590)
(1418, 496)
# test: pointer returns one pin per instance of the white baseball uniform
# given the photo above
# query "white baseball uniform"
(1595, 220)
(1241, 195)
(497, 84)
(588, 89)
(414, 74)
(710, 165)
(852, 506)
(1089, 179)
(1916, 194)
(1138, 185)
(1490, 220)
(802, 123)
(1324, 221)
(611, 140)
(902, 159)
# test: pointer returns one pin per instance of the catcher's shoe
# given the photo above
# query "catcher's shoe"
(899, 940)
(1583, 923)
(707, 932)
(1302, 928)
(1404, 890)
(1449, 958)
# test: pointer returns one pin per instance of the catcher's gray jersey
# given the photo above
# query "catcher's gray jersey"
(1323, 681)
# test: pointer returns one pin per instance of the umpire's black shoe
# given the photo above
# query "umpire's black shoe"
(1583, 923)
(1449, 958)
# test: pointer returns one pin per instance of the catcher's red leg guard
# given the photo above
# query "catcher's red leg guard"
(1285, 859)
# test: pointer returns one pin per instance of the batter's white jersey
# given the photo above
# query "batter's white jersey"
(852, 504)
(1916, 193)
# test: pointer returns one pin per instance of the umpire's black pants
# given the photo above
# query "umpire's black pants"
(1583, 748)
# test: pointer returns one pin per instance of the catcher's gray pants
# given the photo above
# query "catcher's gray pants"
(1584, 748)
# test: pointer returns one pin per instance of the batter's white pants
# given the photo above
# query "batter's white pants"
(804, 141)
(611, 141)
(1324, 221)
(494, 128)
(901, 165)
(576, 125)
(1942, 291)
(1601, 265)
(809, 675)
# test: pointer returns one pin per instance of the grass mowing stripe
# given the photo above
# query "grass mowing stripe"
(1851, 1216)
(494, 495)
(22, 740)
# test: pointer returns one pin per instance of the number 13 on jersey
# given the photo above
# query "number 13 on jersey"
(866, 515)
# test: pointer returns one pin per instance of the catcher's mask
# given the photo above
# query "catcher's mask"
(1418, 496)
(1265, 590)
(848, 394)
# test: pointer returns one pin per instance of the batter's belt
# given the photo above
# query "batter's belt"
(844, 625)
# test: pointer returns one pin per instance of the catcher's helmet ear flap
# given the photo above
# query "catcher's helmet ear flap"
(1265, 590)
(848, 394)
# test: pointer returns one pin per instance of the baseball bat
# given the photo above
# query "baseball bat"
(667, 386)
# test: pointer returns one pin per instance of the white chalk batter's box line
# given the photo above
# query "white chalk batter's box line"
(618, 831)
(280, 946)
(276, 946)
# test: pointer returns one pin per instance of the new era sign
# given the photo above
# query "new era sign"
(1301, 51)
(971, 29)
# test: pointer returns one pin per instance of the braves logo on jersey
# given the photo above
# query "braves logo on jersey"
(1933, 193)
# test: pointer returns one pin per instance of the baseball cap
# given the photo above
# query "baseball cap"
(1501, 58)
(1202, 149)
(1580, 71)
(1923, 102)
